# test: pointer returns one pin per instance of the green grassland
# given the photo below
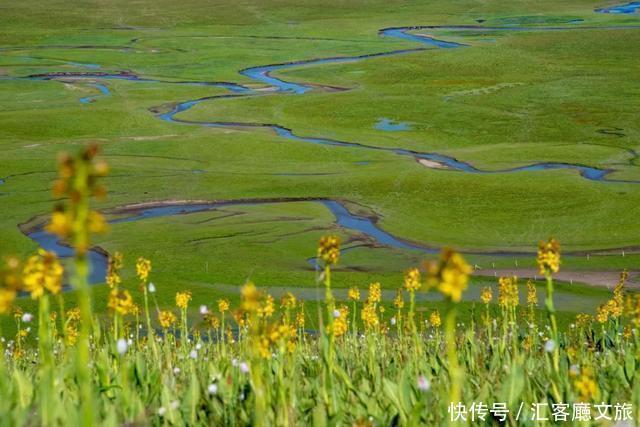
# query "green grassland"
(507, 99)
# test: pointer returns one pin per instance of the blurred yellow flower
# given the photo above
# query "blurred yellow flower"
(73, 314)
(96, 222)
(582, 320)
(7, 297)
(166, 318)
(340, 323)
(249, 297)
(450, 275)
(60, 224)
(329, 249)
(268, 308)
(434, 319)
(398, 301)
(42, 272)
(532, 293)
(486, 295)
(70, 334)
(370, 316)
(120, 301)
(214, 322)
(548, 256)
(115, 264)
(585, 386)
(223, 305)
(288, 301)
(300, 319)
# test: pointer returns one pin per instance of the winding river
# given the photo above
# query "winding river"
(263, 74)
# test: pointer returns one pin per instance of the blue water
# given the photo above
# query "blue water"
(402, 33)
(628, 8)
(365, 225)
(104, 90)
(263, 73)
(391, 126)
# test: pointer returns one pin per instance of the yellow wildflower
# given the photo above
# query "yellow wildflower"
(398, 301)
(288, 301)
(182, 299)
(450, 275)
(7, 297)
(548, 256)
(223, 305)
(70, 334)
(135, 309)
(369, 316)
(602, 313)
(214, 322)
(42, 272)
(96, 222)
(412, 279)
(340, 323)
(434, 319)
(250, 297)
(264, 347)
(73, 314)
(508, 295)
(582, 320)
(143, 268)
(585, 386)
(329, 249)
(77, 180)
(354, 294)
(11, 274)
(267, 309)
(60, 223)
(632, 308)
(120, 301)
(532, 293)
(300, 319)
(166, 318)
(115, 264)
(616, 305)
(614, 308)
(486, 295)
(375, 293)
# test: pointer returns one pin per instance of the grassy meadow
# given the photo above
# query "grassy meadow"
(535, 82)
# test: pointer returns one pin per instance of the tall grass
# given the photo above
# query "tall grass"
(257, 364)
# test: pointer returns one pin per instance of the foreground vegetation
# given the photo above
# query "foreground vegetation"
(257, 362)
(509, 99)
